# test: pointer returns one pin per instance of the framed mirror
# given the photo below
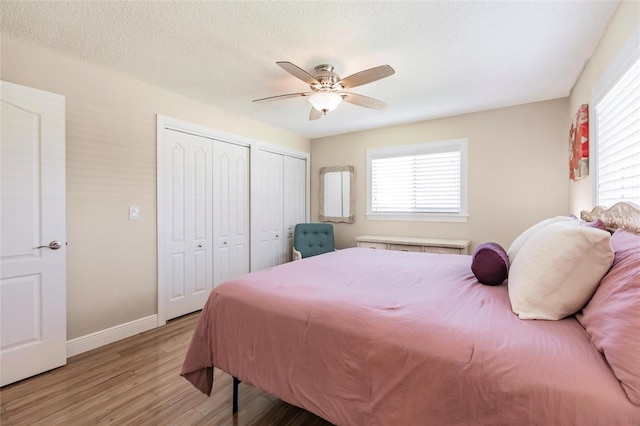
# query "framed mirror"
(338, 194)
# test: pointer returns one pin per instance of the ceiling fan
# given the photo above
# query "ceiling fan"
(327, 88)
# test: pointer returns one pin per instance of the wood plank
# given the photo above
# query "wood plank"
(41, 408)
(169, 408)
(187, 418)
(137, 381)
(94, 407)
(64, 386)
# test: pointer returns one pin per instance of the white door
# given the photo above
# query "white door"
(295, 198)
(188, 257)
(32, 280)
(230, 211)
(270, 250)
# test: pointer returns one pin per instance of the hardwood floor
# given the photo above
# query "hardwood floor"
(137, 381)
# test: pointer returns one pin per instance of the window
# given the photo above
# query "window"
(617, 131)
(426, 181)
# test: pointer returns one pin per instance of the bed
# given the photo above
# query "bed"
(375, 337)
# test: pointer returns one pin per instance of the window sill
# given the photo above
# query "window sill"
(419, 217)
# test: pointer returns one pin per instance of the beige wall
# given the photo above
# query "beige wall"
(624, 22)
(517, 171)
(111, 164)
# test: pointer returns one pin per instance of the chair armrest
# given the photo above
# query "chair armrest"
(296, 254)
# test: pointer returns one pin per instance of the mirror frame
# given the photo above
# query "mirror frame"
(352, 194)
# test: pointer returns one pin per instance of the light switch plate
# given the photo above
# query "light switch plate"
(134, 212)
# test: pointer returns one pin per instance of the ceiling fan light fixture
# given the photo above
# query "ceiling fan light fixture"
(325, 101)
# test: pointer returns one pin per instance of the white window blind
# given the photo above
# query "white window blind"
(420, 180)
(618, 140)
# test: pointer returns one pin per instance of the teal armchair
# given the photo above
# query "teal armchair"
(312, 239)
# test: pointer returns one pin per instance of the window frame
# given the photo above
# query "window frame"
(624, 60)
(423, 148)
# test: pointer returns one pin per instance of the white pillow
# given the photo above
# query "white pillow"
(517, 244)
(557, 271)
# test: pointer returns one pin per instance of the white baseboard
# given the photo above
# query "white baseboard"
(109, 335)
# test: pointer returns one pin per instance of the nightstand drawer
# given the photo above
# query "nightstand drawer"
(371, 245)
(404, 247)
(442, 250)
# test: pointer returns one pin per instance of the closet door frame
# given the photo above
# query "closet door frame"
(169, 123)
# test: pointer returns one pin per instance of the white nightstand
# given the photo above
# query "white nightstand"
(423, 245)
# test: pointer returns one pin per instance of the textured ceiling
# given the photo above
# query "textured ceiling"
(450, 57)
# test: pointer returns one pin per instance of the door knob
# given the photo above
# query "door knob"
(53, 245)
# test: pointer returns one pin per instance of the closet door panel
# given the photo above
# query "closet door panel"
(189, 214)
(268, 211)
(278, 254)
(177, 277)
(240, 199)
(176, 198)
(259, 209)
(202, 275)
(202, 279)
(295, 198)
(231, 211)
(181, 273)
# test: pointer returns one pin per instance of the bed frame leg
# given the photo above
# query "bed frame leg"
(236, 382)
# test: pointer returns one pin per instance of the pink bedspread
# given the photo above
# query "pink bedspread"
(375, 337)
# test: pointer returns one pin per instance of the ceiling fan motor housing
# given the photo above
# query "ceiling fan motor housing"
(327, 78)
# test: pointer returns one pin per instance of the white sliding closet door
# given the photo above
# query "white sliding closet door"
(295, 198)
(188, 216)
(269, 211)
(230, 211)
(225, 207)
(205, 218)
(281, 203)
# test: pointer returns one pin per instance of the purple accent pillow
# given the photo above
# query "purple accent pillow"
(598, 224)
(612, 317)
(490, 263)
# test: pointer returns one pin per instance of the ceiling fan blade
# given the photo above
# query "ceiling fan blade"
(366, 76)
(298, 72)
(290, 95)
(315, 114)
(363, 101)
